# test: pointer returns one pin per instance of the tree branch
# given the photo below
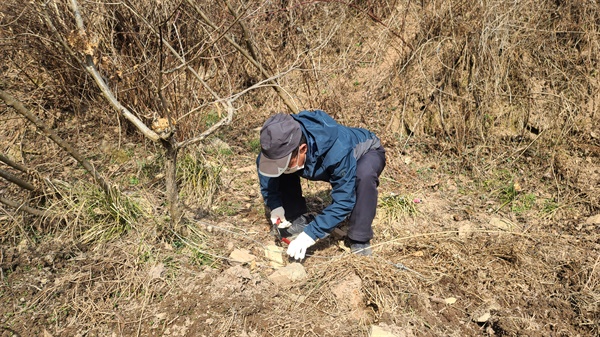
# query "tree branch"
(249, 57)
(13, 164)
(91, 69)
(210, 130)
(245, 31)
(16, 180)
(22, 207)
(18, 106)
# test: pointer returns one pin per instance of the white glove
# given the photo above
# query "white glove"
(297, 248)
(278, 218)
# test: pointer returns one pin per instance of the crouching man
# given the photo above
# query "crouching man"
(312, 145)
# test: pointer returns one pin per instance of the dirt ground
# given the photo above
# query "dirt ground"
(457, 266)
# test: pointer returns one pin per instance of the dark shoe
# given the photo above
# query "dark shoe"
(297, 226)
(361, 248)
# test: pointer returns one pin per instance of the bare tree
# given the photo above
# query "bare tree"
(167, 58)
(81, 45)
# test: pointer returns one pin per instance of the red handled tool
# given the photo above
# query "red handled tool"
(286, 240)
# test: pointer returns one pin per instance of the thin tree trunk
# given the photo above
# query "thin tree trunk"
(171, 181)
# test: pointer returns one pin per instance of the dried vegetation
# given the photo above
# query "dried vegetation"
(489, 112)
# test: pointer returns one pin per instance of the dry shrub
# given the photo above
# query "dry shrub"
(106, 283)
(501, 79)
(127, 50)
(480, 70)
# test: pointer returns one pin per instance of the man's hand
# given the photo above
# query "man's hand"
(297, 248)
(278, 218)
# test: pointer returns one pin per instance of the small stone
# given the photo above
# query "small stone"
(274, 254)
(465, 229)
(502, 224)
(275, 265)
(483, 318)
(156, 271)
(291, 273)
(377, 331)
(242, 256)
(22, 245)
(450, 300)
(594, 219)
(298, 298)
(338, 233)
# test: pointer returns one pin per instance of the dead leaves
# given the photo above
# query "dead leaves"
(83, 43)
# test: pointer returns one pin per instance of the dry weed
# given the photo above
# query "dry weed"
(480, 94)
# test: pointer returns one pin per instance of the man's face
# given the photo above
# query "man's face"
(300, 158)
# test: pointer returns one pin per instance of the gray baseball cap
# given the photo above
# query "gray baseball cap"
(279, 137)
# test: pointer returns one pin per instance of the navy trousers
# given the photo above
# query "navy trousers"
(368, 170)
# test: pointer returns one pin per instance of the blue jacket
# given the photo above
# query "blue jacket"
(333, 150)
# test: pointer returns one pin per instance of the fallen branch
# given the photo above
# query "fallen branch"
(13, 164)
(23, 207)
(17, 181)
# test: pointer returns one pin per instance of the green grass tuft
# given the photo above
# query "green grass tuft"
(111, 217)
(254, 145)
(523, 203)
(86, 213)
(210, 118)
(396, 207)
(550, 208)
(199, 180)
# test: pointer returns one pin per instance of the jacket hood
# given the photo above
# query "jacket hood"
(321, 133)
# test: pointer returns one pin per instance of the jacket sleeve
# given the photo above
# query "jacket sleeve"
(343, 194)
(269, 189)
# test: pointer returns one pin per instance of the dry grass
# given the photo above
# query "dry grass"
(468, 97)
(508, 275)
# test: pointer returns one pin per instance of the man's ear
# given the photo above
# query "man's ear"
(303, 148)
